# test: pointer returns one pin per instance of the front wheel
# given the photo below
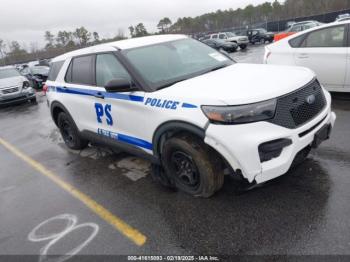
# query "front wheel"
(192, 166)
(70, 132)
(243, 47)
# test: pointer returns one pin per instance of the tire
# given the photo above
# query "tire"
(33, 100)
(192, 166)
(159, 176)
(243, 47)
(70, 132)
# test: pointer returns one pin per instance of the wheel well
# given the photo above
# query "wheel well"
(179, 129)
(169, 129)
(57, 108)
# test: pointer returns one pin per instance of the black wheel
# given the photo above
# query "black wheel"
(70, 133)
(243, 47)
(192, 166)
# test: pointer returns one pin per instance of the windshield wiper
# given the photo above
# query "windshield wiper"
(172, 83)
(216, 68)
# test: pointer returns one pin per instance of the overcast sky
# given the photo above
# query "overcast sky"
(27, 20)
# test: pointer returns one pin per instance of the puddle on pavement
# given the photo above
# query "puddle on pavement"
(132, 167)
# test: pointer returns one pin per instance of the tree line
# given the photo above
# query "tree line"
(55, 44)
(250, 15)
(65, 41)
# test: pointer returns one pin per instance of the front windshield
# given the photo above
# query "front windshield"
(230, 34)
(166, 63)
(39, 70)
(7, 73)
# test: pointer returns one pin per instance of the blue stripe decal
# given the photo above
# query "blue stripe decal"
(125, 138)
(135, 141)
(186, 105)
(88, 92)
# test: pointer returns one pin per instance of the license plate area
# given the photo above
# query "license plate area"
(322, 135)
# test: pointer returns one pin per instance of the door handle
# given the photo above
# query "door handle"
(303, 56)
(99, 95)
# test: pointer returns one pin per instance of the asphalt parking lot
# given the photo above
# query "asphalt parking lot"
(99, 202)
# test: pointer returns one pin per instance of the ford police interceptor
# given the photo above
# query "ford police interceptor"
(191, 110)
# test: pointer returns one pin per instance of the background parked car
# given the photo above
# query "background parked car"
(241, 41)
(324, 49)
(342, 17)
(259, 35)
(37, 75)
(14, 87)
(295, 28)
(219, 44)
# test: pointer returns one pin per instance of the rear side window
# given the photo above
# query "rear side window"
(214, 36)
(296, 42)
(81, 70)
(54, 70)
(327, 37)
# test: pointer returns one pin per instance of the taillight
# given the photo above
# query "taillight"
(45, 88)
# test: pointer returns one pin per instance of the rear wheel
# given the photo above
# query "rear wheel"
(192, 166)
(243, 47)
(70, 133)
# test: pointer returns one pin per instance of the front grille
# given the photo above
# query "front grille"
(299, 107)
(10, 90)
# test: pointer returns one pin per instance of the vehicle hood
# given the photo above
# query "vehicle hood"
(240, 84)
(12, 81)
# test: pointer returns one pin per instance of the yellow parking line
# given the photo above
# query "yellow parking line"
(128, 231)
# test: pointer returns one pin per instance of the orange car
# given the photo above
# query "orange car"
(295, 28)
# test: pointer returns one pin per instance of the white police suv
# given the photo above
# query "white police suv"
(190, 109)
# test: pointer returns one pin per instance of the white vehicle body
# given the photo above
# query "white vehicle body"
(139, 116)
(14, 87)
(324, 49)
(231, 37)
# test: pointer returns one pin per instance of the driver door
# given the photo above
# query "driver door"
(118, 115)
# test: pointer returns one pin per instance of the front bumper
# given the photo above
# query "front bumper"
(239, 144)
(17, 98)
(243, 42)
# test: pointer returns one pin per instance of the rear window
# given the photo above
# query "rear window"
(54, 70)
(81, 70)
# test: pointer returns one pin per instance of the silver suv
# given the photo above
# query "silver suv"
(14, 87)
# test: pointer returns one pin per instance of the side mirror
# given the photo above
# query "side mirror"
(119, 85)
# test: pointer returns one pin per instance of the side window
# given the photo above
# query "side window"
(328, 37)
(297, 41)
(222, 36)
(108, 68)
(297, 28)
(214, 36)
(81, 70)
(54, 70)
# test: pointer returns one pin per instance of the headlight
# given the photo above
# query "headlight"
(241, 114)
(26, 84)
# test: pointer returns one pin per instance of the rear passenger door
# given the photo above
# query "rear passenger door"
(325, 52)
(80, 91)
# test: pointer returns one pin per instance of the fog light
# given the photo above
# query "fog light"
(273, 149)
